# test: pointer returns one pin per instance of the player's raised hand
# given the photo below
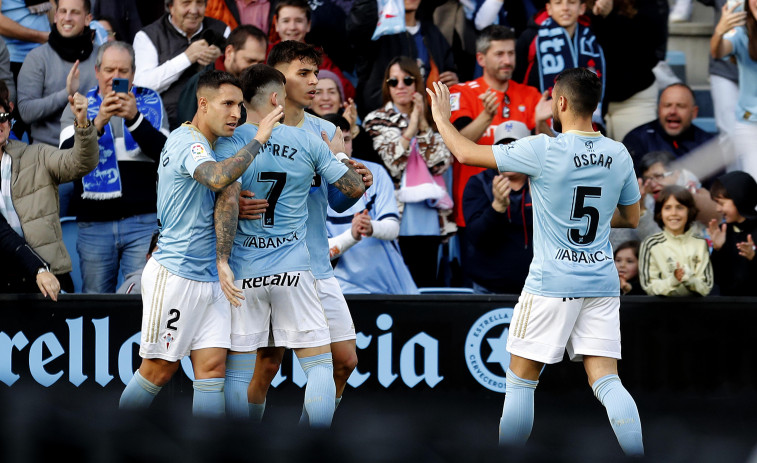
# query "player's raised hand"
(364, 171)
(336, 144)
(226, 277)
(440, 107)
(265, 128)
(717, 234)
(746, 248)
(251, 208)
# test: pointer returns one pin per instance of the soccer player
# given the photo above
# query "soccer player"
(582, 184)
(270, 258)
(184, 310)
(299, 63)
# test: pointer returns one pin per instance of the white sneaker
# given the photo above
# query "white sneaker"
(681, 11)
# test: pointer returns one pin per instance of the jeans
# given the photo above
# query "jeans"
(104, 246)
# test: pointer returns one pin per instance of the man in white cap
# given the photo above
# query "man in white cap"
(497, 211)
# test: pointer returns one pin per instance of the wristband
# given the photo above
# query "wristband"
(341, 156)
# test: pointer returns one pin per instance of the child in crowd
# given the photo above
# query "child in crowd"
(733, 250)
(627, 263)
(675, 262)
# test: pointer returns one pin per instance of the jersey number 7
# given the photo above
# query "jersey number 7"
(279, 179)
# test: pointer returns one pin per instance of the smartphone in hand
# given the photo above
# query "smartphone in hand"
(120, 85)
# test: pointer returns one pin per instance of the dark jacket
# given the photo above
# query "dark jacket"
(20, 262)
(652, 137)
(498, 247)
(373, 56)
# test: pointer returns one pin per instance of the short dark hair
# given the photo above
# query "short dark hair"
(338, 121)
(257, 78)
(295, 3)
(582, 88)
(238, 37)
(492, 33)
(5, 96)
(653, 157)
(633, 245)
(214, 79)
(289, 50)
(683, 196)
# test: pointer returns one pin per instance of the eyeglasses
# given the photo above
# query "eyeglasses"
(657, 177)
(5, 117)
(407, 80)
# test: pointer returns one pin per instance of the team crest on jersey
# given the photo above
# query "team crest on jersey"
(454, 101)
(198, 151)
(168, 340)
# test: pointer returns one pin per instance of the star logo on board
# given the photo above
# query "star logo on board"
(480, 356)
(499, 352)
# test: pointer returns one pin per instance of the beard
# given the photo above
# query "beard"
(556, 124)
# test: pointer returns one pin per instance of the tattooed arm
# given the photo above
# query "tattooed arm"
(351, 183)
(218, 175)
(226, 212)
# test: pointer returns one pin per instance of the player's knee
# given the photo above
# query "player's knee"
(345, 363)
(157, 371)
(268, 370)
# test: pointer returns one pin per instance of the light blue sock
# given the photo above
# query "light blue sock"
(256, 411)
(320, 392)
(622, 412)
(208, 398)
(304, 416)
(139, 393)
(239, 370)
(518, 412)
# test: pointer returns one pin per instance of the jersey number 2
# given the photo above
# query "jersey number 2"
(580, 211)
(279, 179)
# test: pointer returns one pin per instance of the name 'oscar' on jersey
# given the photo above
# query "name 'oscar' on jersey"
(577, 180)
(282, 173)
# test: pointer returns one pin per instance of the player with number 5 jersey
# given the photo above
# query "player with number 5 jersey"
(582, 184)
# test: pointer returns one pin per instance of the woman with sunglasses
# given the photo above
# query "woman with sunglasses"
(403, 126)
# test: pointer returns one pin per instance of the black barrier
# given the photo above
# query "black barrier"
(443, 343)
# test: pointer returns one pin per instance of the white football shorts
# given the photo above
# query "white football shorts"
(544, 327)
(181, 315)
(341, 327)
(284, 306)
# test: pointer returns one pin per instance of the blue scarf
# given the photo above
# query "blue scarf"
(556, 51)
(105, 181)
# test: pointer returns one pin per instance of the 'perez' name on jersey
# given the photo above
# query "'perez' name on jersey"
(283, 151)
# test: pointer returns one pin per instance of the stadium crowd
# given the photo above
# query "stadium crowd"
(126, 74)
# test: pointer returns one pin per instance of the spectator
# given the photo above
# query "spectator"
(402, 129)
(330, 99)
(245, 46)
(24, 271)
(240, 12)
(115, 204)
(731, 40)
(56, 70)
(422, 41)
(176, 47)
(25, 26)
(362, 242)
(500, 225)
(675, 262)
(481, 105)
(291, 21)
(673, 130)
(627, 263)
(559, 38)
(133, 282)
(733, 250)
(122, 17)
(103, 27)
(454, 19)
(30, 178)
(630, 32)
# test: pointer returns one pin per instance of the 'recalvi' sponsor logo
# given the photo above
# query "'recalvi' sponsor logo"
(492, 327)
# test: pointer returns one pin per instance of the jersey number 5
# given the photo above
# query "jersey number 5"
(580, 211)
(279, 179)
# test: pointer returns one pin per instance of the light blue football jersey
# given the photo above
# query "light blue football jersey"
(577, 180)
(283, 174)
(187, 243)
(746, 105)
(318, 202)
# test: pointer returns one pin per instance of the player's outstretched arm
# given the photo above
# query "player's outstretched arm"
(351, 183)
(464, 150)
(219, 175)
(626, 216)
(226, 213)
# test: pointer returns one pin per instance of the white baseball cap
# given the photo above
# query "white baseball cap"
(512, 130)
